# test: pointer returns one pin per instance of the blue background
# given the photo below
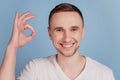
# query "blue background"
(102, 36)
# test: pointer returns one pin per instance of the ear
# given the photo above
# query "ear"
(49, 32)
(83, 32)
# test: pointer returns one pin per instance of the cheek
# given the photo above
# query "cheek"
(56, 38)
(78, 37)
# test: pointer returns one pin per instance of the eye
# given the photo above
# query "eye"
(74, 29)
(58, 29)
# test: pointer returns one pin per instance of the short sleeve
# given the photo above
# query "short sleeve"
(29, 72)
(108, 75)
(112, 76)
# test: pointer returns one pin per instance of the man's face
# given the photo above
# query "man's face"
(66, 32)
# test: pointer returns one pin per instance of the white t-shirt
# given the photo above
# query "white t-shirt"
(48, 69)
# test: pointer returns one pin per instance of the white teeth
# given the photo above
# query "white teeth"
(67, 46)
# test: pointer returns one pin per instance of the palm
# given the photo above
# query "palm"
(22, 40)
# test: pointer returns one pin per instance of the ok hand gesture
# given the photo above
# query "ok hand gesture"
(18, 38)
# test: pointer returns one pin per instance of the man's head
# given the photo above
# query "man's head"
(66, 29)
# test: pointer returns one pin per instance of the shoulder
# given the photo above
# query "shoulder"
(36, 67)
(97, 70)
(41, 62)
(98, 67)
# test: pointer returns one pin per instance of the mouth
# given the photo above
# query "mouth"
(64, 45)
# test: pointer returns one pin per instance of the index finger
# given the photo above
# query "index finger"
(30, 28)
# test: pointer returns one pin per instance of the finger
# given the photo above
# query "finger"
(29, 27)
(24, 15)
(28, 18)
(16, 19)
(32, 36)
(32, 30)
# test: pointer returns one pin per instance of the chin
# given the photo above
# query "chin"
(67, 53)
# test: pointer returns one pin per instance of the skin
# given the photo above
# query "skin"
(18, 39)
(66, 32)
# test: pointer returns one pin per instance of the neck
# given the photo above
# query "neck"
(73, 60)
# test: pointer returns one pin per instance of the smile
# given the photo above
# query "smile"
(67, 45)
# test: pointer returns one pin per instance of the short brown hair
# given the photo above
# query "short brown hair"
(65, 7)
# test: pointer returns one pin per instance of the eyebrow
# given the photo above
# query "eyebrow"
(76, 27)
(57, 28)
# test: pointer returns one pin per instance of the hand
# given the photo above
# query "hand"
(18, 38)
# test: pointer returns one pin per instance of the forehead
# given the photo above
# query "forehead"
(66, 19)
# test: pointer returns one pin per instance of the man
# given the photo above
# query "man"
(66, 30)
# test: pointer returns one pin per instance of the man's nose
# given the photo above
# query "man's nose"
(67, 36)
